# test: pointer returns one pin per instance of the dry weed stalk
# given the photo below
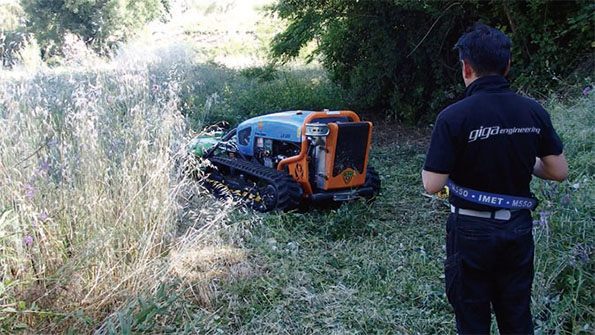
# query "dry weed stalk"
(90, 187)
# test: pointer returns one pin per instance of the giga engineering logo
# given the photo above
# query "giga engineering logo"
(485, 132)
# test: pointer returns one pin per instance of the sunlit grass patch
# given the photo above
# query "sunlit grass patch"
(93, 193)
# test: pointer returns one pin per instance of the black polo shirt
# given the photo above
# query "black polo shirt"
(488, 141)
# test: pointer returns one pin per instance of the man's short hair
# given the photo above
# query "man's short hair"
(487, 49)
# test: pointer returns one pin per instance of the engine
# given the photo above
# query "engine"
(270, 152)
(317, 138)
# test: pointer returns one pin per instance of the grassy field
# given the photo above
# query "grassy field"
(101, 232)
(376, 268)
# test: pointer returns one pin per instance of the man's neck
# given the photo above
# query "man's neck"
(469, 80)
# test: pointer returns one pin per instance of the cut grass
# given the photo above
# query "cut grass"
(363, 268)
(376, 268)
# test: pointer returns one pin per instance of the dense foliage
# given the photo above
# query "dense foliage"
(396, 55)
(12, 34)
(100, 24)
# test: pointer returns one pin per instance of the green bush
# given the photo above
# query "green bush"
(211, 93)
(396, 56)
(12, 35)
(11, 44)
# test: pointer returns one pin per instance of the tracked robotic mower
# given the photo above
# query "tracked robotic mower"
(291, 159)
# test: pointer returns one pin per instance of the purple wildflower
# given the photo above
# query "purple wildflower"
(582, 252)
(155, 88)
(29, 191)
(41, 173)
(28, 240)
(587, 90)
(43, 216)
(583, 257)
(543, 218)
(44, 165)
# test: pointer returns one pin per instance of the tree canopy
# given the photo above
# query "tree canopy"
(99, 23)
(396, 56)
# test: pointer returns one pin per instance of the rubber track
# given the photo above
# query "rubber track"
(373, 180)
(289, 192)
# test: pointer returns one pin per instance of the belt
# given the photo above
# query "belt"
(501, 214)
(491, 199)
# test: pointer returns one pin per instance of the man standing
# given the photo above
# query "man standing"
(486, 147)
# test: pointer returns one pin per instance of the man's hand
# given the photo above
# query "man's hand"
(433, 182)
(552, 167)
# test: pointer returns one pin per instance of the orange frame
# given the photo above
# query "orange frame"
(348, 177)
(297, 165)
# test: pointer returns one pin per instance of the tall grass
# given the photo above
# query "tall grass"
(99, 228)
(94, 208)
(565, 228)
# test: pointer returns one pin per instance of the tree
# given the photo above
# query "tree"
(99, 23)
(12, 36)
(395, 56)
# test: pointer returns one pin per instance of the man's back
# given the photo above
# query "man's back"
(489, 144)
(489, 140)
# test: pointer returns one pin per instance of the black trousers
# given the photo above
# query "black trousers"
(490, 262)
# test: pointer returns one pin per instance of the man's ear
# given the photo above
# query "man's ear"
(468, 71)
(507, 69)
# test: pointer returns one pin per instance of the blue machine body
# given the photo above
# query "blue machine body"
(281, 126)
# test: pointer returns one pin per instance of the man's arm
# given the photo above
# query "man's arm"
(552, 167)
(433, 182)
